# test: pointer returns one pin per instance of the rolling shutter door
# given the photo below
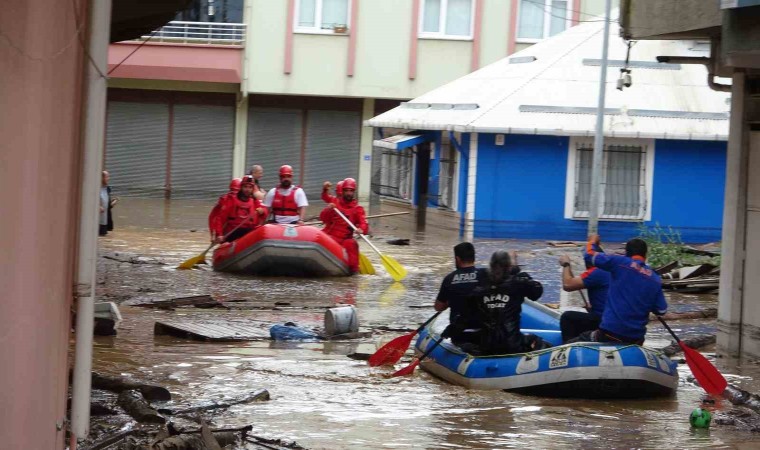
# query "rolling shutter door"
(274, 139)
(136, 143)
(332, 149)
(202, 147)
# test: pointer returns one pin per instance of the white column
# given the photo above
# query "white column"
(94, 128)
(472, 178)
(365, 154)
(733, 244)
(241, 135)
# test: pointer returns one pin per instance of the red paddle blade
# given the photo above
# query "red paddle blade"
(706, 374)
(408, 370)
(391, 352)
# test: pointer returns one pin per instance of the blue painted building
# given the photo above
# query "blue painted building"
(509, 147)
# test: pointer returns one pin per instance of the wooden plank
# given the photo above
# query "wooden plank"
(213, 329)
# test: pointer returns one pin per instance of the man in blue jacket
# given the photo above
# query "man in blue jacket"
(635, 291)
(597, 283)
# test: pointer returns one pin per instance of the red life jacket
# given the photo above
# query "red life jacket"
(285, 205)
(240, 211)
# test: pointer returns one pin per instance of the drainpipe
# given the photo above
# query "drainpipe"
(95, 107)
(709, 63)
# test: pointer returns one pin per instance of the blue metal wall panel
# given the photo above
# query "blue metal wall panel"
(521, 190)
(689, 181)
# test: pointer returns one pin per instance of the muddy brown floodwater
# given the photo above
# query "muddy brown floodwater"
(323, 399)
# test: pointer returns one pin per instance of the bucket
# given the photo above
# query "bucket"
(341, 320)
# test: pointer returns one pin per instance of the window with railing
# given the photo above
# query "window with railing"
(394, 176)
(625, 180)
(447, 175)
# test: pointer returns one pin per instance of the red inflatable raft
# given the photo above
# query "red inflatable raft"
(283, 250)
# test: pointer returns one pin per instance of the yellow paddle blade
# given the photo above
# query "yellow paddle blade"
(365, 265)
(396, 270)
(190, 263)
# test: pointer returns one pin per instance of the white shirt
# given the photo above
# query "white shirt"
(300, 201)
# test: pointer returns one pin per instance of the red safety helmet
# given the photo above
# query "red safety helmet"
(286, 170)
(339, 187)
(349, 183)
(235, 184)
(247, 179)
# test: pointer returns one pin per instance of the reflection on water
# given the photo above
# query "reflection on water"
(321, 398)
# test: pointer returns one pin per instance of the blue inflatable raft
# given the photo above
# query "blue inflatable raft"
(586, 370)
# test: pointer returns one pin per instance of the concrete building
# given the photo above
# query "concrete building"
(53, 89)
(290, 82)
(507, 149)
(733, 29)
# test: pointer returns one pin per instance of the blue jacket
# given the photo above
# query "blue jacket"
(597, 284)
(635, 291)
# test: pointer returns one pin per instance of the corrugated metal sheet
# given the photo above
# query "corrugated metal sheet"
(558, 77)
(274, 139)
(202, 146)
(136, 143)
(332, 148)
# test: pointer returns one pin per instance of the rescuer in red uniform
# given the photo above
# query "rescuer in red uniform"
(240, 209)
(288, 202)
(326, 197)
(213, 216)
(338, 229)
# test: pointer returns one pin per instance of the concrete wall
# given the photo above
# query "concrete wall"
(671, 19)
(40, 162)
(383, 31)
(521, 190)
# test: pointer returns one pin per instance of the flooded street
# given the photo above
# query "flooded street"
(321, 398)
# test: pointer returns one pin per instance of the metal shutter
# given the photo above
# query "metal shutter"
(136, 143)
(332, 148)
(202, 147)
(274, 139)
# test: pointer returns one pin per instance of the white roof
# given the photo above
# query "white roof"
(557, 93)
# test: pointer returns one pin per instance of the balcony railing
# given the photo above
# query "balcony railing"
(178, 31)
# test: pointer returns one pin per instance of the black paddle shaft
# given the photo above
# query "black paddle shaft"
(668, 328)
(427, 322)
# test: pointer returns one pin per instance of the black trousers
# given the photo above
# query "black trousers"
(573, 323)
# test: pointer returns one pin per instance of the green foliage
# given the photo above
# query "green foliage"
(665, 245)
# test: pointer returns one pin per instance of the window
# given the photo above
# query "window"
(446, 19)
(321, 16)
(395, 174)
(447, 175)
(626, 179)
(540, 19)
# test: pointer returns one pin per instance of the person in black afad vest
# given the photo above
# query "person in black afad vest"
(455, 290)
(499, 302)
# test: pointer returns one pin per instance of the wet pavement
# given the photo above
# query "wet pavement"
(323, 399)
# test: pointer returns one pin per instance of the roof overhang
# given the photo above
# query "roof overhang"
(404, 140)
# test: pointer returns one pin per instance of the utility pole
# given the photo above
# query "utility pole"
(596, 168)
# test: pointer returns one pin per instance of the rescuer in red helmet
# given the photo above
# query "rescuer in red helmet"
(341, 231)
(239, 213)
(213, 217)
(326, 197)
(287, 202)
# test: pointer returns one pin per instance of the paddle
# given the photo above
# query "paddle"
(587, 305)
(391, 352)
(408, 370)
(365, 265)
(200, 259)
(706, 374)
(392, 266)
